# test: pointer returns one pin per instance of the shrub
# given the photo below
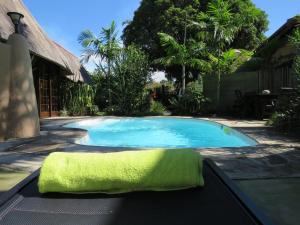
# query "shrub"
(287, 115)
(101, 95)
(193, 100)
(63, 112)
(157, 108)
(77, 97)
(163, 91)
(129, 80)
(92, 110)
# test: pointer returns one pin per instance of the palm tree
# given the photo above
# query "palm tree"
(104, 47)
(185, 55)
(223, 28)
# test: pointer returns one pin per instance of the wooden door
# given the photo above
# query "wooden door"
(54, 98)
(44, 97)
(48, 98)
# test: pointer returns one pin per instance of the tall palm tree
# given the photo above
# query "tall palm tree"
(104, 47)
(185, 55)
(223, 27)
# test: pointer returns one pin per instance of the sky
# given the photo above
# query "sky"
(63, 20)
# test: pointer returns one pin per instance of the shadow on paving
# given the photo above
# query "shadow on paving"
(279, 198)
(272, 161)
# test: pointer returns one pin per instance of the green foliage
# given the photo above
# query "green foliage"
(253, 25)
(77, 98)
(101, 95)
(218, 25)
(183, 55)
(157, 109)
(92, 110)
(223, 27)
(193, 100)
(130, 77)
(164, 91)
(63, 112)
(103, 48)
(167, 17)
(225, 61)
(162, 16)
(121, 75)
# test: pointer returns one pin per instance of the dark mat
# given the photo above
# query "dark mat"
(213, 204)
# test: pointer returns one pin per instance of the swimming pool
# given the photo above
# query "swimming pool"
(159, 133)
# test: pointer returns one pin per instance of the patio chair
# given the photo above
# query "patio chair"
(218, 202)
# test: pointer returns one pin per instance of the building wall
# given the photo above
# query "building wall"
(19, 109)
(274, 75)
(283, 53)
(5, 51)
(277, 72)
(244, 81)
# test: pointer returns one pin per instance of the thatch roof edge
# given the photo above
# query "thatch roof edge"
(39, 42)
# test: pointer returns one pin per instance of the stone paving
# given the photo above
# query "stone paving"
(276, 156)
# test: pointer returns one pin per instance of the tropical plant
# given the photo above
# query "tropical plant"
(192, 102)
(253, 23)
(104, 48)
(131, 75)
(77, 98)
(157, 108)
(223, 28)
(63, 112)
(166, 16)
(185, 55)
(225, 61)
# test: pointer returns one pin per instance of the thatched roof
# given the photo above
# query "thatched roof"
(39, 43)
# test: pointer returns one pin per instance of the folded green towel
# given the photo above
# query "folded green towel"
(156, 170)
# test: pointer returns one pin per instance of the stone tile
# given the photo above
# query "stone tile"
(278, 198)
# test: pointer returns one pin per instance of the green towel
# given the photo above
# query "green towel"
(155, 170)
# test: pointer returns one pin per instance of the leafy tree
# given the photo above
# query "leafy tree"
(103, 47)
(157, 16)
(253, 23)
(226, 61)
(131, 75)
(181, 54)
(165, 16)
(222, 29)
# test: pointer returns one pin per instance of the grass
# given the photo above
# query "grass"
(8, 178)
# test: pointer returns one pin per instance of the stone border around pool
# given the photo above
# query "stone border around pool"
(62, 126)
(276, 155)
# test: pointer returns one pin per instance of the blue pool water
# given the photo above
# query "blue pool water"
(160, 133)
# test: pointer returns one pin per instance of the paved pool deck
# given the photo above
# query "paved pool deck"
(276, 155)
(269, 172)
